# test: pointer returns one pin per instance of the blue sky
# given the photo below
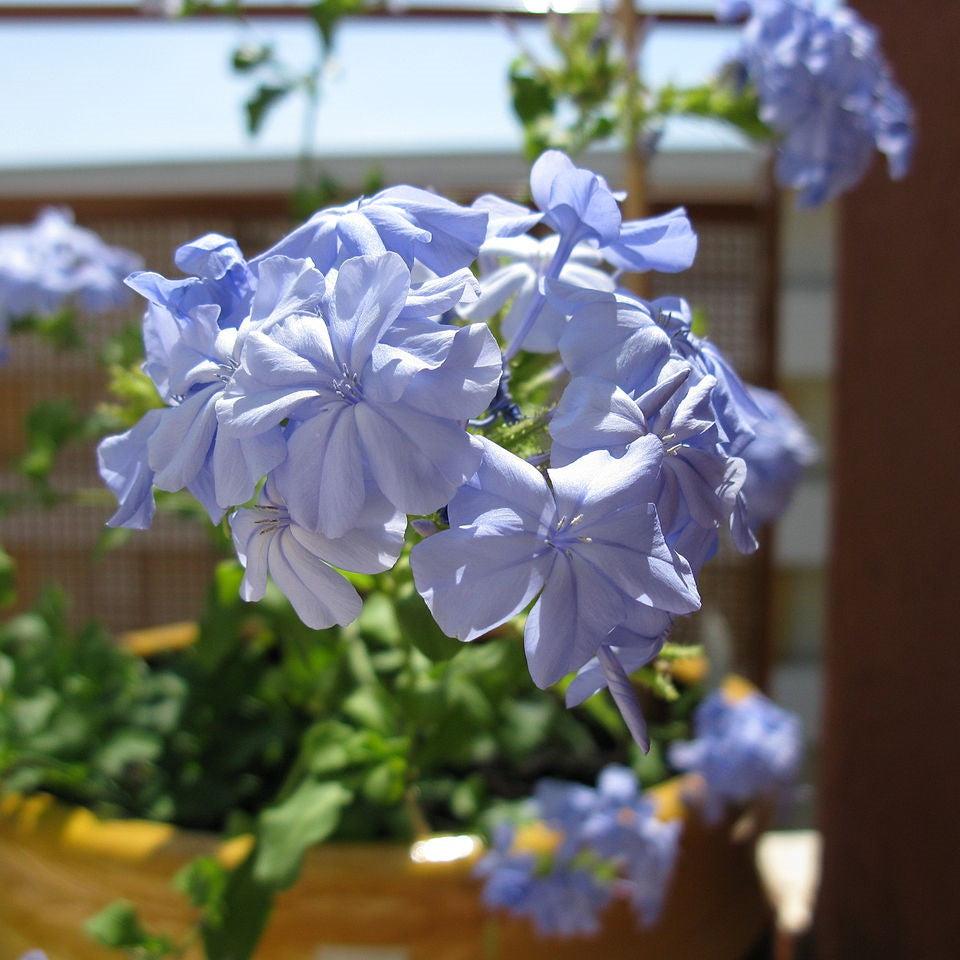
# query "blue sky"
(127, 91)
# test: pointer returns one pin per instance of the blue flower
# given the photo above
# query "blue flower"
(635, 376)
(622, 652)
(517, 266)
(733, 9)
(194, 330)
(376, 393)
(580, 206)
(777, 457)
(698, 478)
(196, 359)
(612, 336)
(52, 264)
(221, 278)
(623, 826)
(666, 243)
(562, 896)
(300, 562)
(736, 410)
(575, 202)
(744, 747)
(584, 846)
(123, 465)
(592, 545)
(419, 226)
(826, 89)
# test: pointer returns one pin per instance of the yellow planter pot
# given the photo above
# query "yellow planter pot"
(60, 865)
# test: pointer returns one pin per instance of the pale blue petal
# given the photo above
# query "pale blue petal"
(666, 243)
(465, 383)
(505, 218)
(122, 461)
(239, 465)
(475, 579)
(614, 339)
(368, 296)
(435, 297)
(598, 483)
(320, 595)
(596, 414)
(371, 545)
(503, 481)
(322, 479)
(179, 446)
(286, 287)
(417, 460)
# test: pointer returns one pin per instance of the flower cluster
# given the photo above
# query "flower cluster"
(744, 747)
(342, 380)
(583, 847)
(826, 90)
(52, 263)
(777, 458)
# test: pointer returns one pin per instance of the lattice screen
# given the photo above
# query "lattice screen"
(161, 576)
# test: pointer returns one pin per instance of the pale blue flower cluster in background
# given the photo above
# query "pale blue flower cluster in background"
(323, 391)
(52, 264)
(580, 848)
(744, 747)
(827, 92)
(777, 458)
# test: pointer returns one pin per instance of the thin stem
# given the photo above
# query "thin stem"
(308, 132)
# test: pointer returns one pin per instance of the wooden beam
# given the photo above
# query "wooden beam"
(253, 11)
(891, 764)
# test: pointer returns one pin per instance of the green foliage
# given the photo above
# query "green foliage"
(261, 101)
(568, 104)
(8, 579)
(586, 94)
(118, 926)
(59, 329)
(327, 14)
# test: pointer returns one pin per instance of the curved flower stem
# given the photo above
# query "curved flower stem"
(564, 249)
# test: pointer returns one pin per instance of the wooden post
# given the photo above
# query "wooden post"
(891, 761)
(636, 206)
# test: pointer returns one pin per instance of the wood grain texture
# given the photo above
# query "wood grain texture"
(891, 864)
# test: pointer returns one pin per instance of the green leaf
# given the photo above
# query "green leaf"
(420, 629)
(118, 926)
(8, 579)
(288, 829)
(532, 97)
(203, 882)
(327, 14)
(59, 328)
(259, 105)
(250, 56)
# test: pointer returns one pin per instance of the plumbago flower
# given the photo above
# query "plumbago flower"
(637, 370)
(582, 848)
(375, 394)
(590, 542)
(525, 263)
(826, 89)
(419, 226)
(52, 264)
(776, 459)
(744, 747)
(193, 335)
(585, 214)
(324, 390)
(301, 561)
